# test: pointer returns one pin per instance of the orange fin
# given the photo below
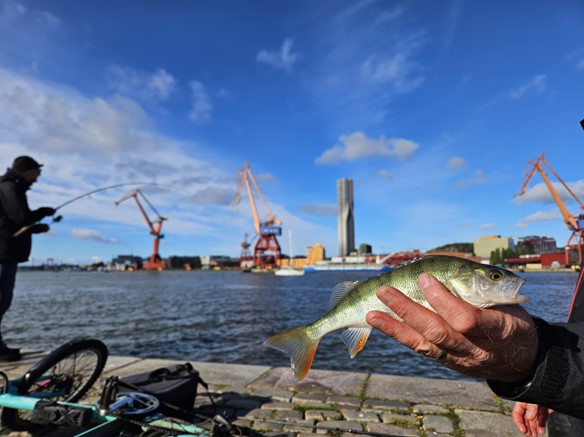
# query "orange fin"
(355, 339)
(298, 346)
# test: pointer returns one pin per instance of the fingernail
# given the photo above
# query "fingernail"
(384, 295)
(424, 281)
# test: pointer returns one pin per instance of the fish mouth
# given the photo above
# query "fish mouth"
(518, 299)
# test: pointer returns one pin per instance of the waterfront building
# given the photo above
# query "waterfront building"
(536, 244)
(346, 226)
(127, 262)
(315, 253)
(365, 249)
(490, 243)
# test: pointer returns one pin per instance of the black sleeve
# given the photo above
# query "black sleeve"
(558, 381)
(15, 206)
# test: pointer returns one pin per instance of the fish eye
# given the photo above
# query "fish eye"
(495, 275)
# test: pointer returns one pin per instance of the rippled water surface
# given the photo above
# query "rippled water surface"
(218, 316)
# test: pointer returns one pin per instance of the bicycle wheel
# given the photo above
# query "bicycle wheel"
(66, 374)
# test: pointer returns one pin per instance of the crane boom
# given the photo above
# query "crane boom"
(266, 230)
(575, 224)
(536, 165)
(155, 226)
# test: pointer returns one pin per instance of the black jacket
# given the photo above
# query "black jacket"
(558, 382)
(15, 214)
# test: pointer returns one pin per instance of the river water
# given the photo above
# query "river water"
(218, 316)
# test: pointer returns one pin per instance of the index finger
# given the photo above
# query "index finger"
(460, 315)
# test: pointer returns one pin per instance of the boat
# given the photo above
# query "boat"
(288, 271)
(348, 264)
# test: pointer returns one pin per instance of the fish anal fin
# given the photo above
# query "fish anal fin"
(299, 347)
(355, 339)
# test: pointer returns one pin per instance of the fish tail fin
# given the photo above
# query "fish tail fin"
(298, 346)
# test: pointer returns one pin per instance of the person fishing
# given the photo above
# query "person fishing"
(15, 215)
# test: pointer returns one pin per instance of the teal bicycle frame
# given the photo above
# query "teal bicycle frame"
(86, 415)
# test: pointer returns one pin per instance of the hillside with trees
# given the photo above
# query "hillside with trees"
(455, 247)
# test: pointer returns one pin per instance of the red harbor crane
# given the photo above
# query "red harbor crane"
(574, 223)
(267, 250)
(155, 226)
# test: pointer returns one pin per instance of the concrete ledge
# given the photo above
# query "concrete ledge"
(269, 400)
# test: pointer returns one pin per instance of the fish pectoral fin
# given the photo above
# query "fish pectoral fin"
(355, 339)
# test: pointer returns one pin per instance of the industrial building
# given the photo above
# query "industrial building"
(536, 244)
(346, 226)
(487, 244)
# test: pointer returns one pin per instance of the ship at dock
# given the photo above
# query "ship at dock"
(348, 264)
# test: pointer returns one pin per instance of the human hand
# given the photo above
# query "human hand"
(498, 343)
(39, 228)
(46, 211)
(531, 419)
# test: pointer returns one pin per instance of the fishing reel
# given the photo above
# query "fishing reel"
(57, 218)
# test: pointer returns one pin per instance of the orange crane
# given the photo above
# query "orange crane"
(574, 224)
(155, 262)
(267, 250)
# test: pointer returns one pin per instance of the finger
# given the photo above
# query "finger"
(531, 415)
(518, 415)
(462, 316)
(403, 333)
(428, 325)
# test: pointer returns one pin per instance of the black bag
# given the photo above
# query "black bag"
(175, 387)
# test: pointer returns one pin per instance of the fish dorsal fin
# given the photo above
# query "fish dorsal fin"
(339, 291)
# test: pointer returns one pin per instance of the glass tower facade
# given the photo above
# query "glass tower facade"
(346, 226)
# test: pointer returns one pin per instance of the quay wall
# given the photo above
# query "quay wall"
(271, 402)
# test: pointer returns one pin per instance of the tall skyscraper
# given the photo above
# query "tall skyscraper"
(346, 218)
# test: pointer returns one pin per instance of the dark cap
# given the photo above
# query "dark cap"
(24, 163)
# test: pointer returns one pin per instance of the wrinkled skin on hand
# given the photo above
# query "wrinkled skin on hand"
(531, 419)
(498, 343)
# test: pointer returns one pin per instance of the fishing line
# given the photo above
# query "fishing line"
(57, 219)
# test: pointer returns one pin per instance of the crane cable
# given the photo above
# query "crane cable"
(58, 218)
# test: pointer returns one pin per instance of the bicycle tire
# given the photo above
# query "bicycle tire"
(69, 372)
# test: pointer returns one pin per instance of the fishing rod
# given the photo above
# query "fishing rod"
(57, 219)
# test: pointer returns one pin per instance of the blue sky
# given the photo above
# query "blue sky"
(433, 108)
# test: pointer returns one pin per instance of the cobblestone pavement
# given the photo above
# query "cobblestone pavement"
(271, 402)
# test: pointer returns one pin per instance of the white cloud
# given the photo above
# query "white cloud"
(487, 226)
(542, 216)
(144, 85)
(358, 146)
(537, 84)
(90, 143)
(477, 178)
(540, 192)
(13, 13)
(202, 107)
(90, 234)
(214, 196)
(61, 120)
(162, 83)
(456, 162)
(284, 59)
(397, 70)
(384, 174)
